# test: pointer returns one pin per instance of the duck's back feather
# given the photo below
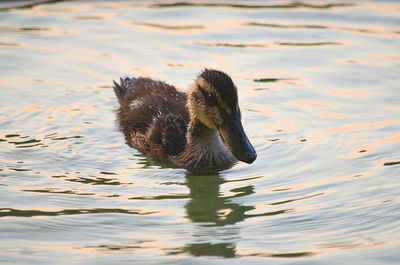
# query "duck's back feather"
(153, 115)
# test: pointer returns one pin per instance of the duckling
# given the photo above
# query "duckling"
(200, 130)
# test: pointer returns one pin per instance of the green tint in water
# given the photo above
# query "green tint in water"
(318, 89)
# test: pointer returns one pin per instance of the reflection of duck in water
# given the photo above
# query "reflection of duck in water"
(208, 206)
(198, 131)
(208, 209)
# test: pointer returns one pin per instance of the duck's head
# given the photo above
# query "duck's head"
(213, 100)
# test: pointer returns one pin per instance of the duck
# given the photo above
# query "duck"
(198, 130)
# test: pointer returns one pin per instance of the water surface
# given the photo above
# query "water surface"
(319, 91)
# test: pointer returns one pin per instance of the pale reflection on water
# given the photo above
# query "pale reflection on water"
(318, 87)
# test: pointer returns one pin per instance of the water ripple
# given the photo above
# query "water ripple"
(9, 212)
(252, 6)
(23, 30)
(269, 80)
(169, 27)
(385, 32)
(267, 44)
(391, 163)
(162, 197)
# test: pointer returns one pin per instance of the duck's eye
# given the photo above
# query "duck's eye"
(210, 99)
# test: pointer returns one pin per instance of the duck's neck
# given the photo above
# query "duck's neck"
(205, 149)
(198, 133)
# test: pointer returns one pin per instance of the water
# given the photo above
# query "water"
(319, 91)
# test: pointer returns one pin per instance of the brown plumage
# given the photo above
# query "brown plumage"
(198, 131)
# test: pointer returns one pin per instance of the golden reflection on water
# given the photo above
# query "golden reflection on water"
(346, 178)
(309, 105)
(359, 127)
(351, 94)
(185, 65)
(359, 150)
(377, 6)
(391, 138)
(365, 243)
(394, 108)
(97, 16)
(393, 57)
(334, 115)
(43, 10)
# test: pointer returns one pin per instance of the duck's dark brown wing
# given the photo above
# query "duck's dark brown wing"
(153, 114)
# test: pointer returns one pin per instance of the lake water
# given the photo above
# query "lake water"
(319, 91)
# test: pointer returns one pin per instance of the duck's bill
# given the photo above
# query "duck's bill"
(236, 140)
